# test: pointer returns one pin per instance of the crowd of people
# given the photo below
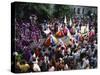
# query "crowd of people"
(55, 45)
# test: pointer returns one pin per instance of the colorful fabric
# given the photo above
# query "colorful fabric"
(51, 40)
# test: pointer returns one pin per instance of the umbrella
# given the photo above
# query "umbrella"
(47, 42)
(54, 41)
(61, 42)
(59, 34)
(51, 40)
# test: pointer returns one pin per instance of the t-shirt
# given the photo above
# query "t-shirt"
(24, 67)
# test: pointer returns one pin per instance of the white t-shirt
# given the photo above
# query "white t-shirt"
(52, 68)
(85, 62)
(36, 68)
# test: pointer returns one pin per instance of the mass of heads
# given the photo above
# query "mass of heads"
(58, 44)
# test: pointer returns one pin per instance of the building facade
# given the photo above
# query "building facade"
(83, 10)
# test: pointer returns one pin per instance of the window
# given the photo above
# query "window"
(83, 11)
(78, 11)
(74, 11)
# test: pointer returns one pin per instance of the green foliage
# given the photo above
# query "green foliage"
(19, 57)
(23, 10)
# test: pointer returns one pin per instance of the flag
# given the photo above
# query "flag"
(70, 23)
(84, 29)
(51, 40)
(59, 34)
(61, 43)
(54, 41)
(65, 20)
(47, 42)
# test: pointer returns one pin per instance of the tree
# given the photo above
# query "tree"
(43, 11)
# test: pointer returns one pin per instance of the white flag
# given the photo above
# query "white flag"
(65, 20)
(70, 22)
